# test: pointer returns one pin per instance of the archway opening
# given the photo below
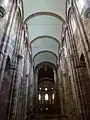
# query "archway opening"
(85, 85)
(46, 90)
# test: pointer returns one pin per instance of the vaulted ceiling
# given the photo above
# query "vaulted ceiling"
(44, 19)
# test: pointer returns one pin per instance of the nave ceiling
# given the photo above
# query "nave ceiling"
(44, 19)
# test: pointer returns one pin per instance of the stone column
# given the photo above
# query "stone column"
(16, 88)
(36, 91)
(43, 98)
(32, 88)
(84, 39)
(29, 90)
(4, 43)
(14, 64)
(17, 75)
(49, 98)
(61, 91)
(25, 84)
(56, 91)
(75, 82)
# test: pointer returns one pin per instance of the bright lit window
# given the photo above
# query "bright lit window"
(45, 89)
(53, 96)
(39, 96)
(46, 96)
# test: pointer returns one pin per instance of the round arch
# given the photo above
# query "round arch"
(45, 56)
(44, 52)
(37, 43)
(67, 8)
(19, 13)
(21, 9)
(39, 82)
(46, 79)
(45, 36)
(70, 10)
(44, 13)
(46, 47)
(40, 65)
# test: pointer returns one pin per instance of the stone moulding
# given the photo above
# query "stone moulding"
(87, 13)
(2, 12)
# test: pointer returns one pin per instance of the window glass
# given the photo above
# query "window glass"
(53, 96)
(46, 96)
(39, 96)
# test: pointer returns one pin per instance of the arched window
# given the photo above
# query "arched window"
(53, 96)
(46, 96)
(39, 96)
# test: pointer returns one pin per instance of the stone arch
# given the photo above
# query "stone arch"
(44, 13)
(39, 66)
(19, 13)
(70, 10)
(43, 36)
(46, 51)
(37, 69)
(67, 8)
(82, 57)
(20, 6)
(52, 39)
